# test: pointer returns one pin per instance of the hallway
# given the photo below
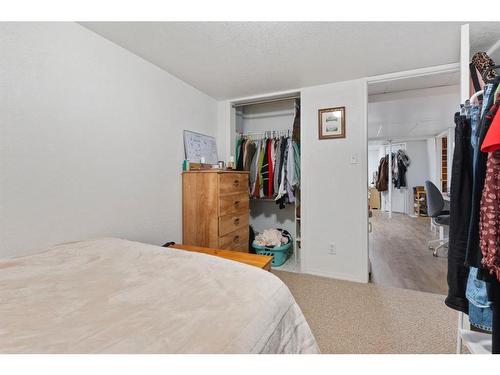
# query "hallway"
(400, 257)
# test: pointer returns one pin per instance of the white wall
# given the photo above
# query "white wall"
(373, 162)
(91, 139)
(267, 214)
(334, 192)
(432, 157)
(419, 170)
(267, 116)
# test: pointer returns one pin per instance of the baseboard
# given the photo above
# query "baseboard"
(338, 276)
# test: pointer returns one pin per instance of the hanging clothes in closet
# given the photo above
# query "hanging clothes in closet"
(473, 256)
(273, 160)
(274, 165)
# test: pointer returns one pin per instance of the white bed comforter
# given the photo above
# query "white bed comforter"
(117, 296)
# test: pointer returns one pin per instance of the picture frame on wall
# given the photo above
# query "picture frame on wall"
(331, 123)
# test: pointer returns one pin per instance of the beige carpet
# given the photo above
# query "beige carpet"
(348, 317)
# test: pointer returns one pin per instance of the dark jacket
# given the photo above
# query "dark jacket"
(383, 174)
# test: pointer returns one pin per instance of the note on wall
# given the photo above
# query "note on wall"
(198, 145)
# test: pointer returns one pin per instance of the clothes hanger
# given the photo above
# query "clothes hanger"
(462, 110)
(467, 107)
(472, 98)
(476, 95)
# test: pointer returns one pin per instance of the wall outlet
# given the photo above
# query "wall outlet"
(332, 249)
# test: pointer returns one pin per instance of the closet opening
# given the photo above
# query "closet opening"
(267, 144)
(410, 138)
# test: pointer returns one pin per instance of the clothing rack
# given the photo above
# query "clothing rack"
(475, 342)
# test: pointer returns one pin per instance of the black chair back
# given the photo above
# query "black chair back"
(435, 201)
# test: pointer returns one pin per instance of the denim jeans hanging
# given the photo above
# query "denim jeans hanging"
(480, 311)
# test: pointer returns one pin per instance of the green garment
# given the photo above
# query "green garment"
(296, 157)
(238, 149)
(497, 91)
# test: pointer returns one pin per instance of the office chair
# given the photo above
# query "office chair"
(436, 210)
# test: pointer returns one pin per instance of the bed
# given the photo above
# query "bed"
(117, 296)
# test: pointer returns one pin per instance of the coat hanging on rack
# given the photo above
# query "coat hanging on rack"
(400, 163)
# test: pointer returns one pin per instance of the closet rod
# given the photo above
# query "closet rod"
(267, 132)
(263, 101)
(270, 133)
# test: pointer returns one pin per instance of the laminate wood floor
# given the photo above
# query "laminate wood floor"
(400, 256)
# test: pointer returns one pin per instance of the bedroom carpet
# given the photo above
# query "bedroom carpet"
(347, 317)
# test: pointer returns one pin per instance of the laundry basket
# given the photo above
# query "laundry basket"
(279, 253)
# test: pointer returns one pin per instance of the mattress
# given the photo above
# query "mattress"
(116, 296)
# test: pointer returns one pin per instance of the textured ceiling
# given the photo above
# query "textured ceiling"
(237, 59)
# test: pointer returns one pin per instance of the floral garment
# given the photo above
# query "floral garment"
(489, 226)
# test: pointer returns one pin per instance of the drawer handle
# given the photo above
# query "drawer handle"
(236, 183)
(236, 239)
(236, 221)
(236, 203)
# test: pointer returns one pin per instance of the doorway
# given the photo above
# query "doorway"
(410, 124)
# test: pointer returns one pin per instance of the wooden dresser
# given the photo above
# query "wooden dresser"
(215, 209)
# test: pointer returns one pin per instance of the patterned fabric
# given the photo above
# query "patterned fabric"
(489, 227)
(474, 254)
(483, 62)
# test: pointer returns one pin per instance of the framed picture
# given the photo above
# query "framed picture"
(331, 123)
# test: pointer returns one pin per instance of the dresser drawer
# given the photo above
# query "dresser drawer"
(230, 223)
(233, 183)
(237, 240)
(229, 204)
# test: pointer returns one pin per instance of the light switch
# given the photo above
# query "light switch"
(354, 158)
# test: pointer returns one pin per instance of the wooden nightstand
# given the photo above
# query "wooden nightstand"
(261, 261)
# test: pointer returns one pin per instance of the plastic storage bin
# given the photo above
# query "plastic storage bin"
(279, 253)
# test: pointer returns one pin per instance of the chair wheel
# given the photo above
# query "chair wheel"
(434, 254)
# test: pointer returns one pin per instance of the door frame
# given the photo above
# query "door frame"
(421, 72)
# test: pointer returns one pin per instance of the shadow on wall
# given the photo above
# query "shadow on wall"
(267, 215)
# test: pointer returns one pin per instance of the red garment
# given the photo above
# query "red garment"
(489, 224)
(491, 141)
(270, 175)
